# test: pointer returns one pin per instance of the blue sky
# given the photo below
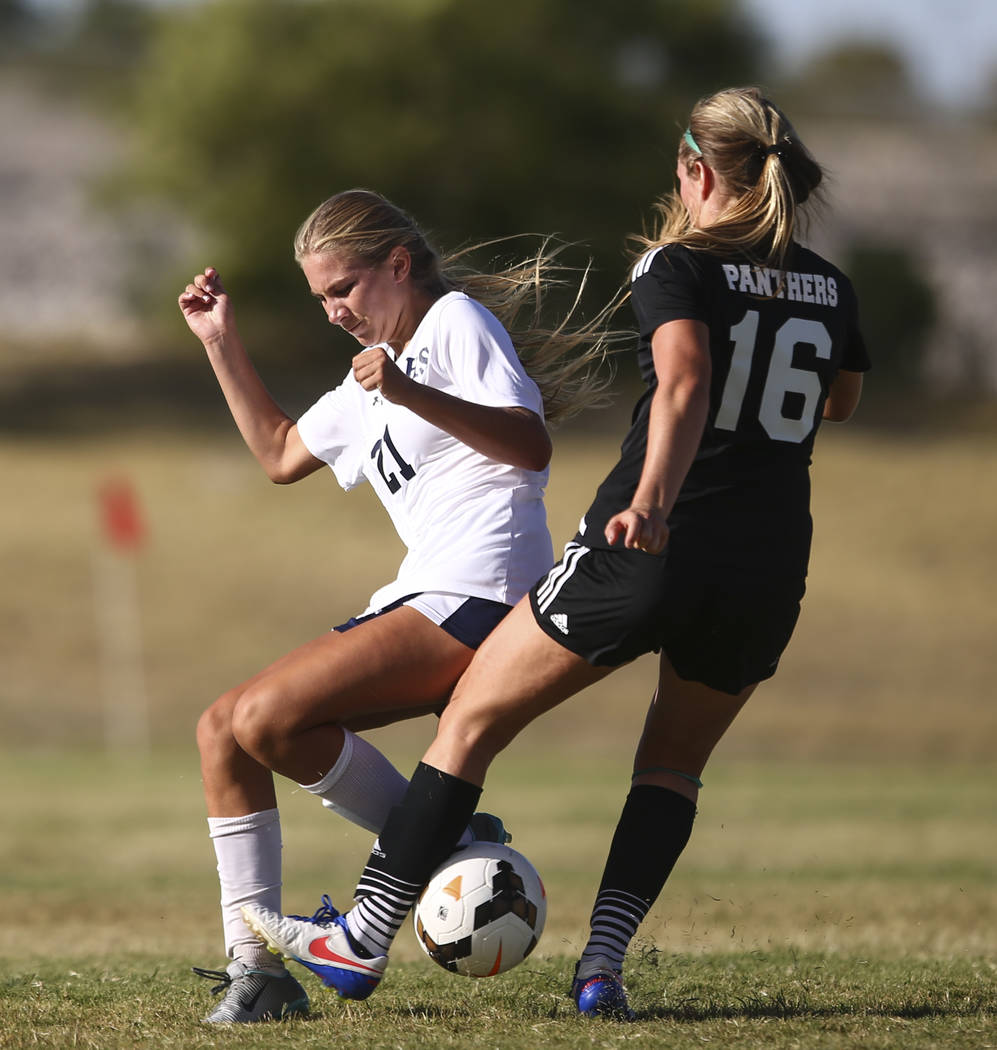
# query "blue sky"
(950, 45)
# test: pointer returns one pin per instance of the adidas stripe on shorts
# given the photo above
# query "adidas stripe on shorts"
(717, 624)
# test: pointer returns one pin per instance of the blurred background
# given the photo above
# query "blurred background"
(148, 565)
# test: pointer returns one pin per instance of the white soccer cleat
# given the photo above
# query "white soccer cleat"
(323, 944)
(252, 995)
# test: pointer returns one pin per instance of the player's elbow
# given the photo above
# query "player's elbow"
(843, 397)
(288, 469)
(838, 413)
(289, 463)
(527, 444)
(538, 452)
(279, 472)
(686, 396)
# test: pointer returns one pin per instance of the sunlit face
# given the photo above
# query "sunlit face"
(368, 302)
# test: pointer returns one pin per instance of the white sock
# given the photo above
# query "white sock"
(249, 869)
(363, 786)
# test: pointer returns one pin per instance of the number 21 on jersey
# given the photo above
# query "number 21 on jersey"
(390, 473)
(782, 378)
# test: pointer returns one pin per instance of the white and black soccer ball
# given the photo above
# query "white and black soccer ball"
(482, 911)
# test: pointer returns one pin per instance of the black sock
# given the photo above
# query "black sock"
(652, 831)
(418, 836)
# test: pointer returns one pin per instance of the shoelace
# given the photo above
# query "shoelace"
(214, 975)
(325, 915)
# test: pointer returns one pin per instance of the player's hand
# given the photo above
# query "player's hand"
(373, 369)
(640, 528)
(205, 306)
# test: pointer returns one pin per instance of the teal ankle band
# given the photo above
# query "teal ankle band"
(674, 773)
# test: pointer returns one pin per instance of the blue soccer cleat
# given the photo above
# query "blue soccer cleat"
(486, 827)
(323, 944)
(602, 995)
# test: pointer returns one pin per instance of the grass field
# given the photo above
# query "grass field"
(839, 890)
(817, 905)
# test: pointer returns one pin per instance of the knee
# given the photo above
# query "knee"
(255, 726)
(471, 734)
(214, 727)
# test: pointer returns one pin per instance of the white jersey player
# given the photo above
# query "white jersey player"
(489, 515)
(439, 414)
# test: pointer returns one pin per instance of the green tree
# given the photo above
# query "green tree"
(897, 308)
(864, 79)
(17, 22)
(483, 121)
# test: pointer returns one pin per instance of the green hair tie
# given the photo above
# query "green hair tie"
(691, 142)
(665, 769)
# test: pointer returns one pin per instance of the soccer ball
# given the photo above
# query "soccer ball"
(482, 911)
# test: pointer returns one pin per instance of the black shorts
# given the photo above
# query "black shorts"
(719, 625)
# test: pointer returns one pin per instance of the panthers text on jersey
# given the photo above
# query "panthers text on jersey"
(777, 339)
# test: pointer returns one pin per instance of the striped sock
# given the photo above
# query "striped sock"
(653, 829)
(419, 834)
(614, 923)
(382, 904)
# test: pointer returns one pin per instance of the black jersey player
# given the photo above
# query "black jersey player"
(695, 546)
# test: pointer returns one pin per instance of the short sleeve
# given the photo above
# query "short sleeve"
(666, 286)
(475, 351)
(329, 430)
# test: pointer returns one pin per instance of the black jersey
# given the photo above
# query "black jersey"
(777, 341)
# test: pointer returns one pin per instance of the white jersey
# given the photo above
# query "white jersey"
(472, 526)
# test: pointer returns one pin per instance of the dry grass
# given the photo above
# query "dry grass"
(779, 1001)
(893, 656)
(818, 858)
(843, 858)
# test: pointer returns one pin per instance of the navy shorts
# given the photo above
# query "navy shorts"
(720, 625)
(469, 620)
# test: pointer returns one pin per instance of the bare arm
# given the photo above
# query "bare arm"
(272, 436)
(843, 397)
(513, 435)
(679, 408)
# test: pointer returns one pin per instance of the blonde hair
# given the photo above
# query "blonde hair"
(564, 361)
(758, 157)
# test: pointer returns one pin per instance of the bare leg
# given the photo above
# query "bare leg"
(518, 674)
(290, 717)
(235, 784)
(684, 723)
(399, 665)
